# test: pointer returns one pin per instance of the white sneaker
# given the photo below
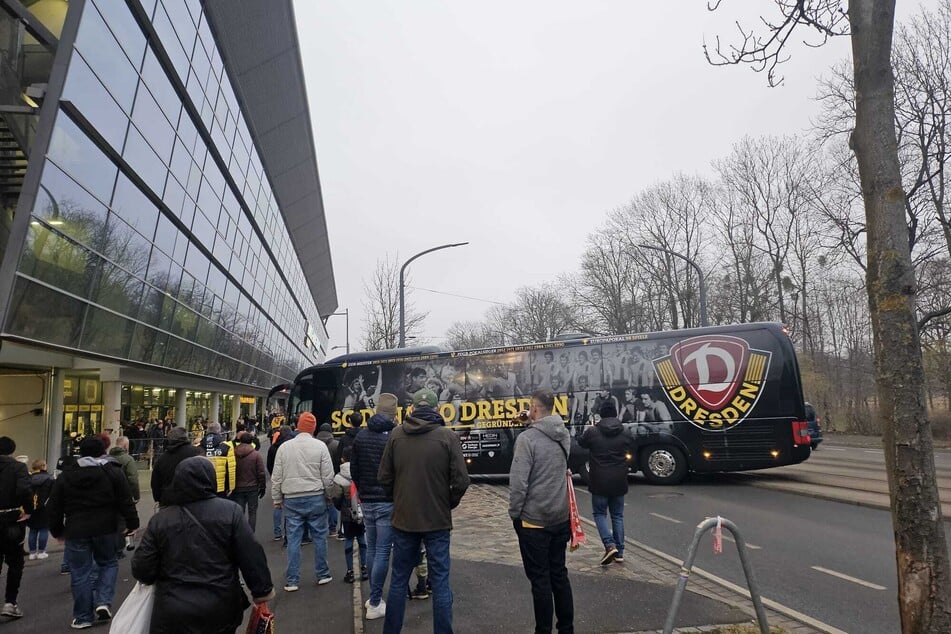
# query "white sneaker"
(12, 610)
(291, 588)
(42, 555)
(324, 580)
(32, 556)
(376, 612)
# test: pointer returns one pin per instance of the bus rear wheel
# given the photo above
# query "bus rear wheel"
(663, 464)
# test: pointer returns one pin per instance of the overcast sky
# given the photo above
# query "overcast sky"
(517, 126)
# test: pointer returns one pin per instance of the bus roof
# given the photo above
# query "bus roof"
(411, 354)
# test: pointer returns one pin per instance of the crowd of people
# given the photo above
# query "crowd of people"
(387, 489)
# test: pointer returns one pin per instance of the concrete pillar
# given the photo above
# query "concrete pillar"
(180, 403)
(214, 416)
(254, 408)
(235, 410)
(112, 406)
(55, 420)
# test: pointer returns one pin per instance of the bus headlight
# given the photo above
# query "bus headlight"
(774, 453)
(707, 454)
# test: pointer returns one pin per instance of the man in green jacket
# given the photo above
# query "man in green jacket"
(424, 470)
(121, 455)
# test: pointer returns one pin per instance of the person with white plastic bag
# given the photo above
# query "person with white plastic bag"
(192, 552)
(135, 614)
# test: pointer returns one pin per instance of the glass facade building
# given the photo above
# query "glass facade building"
(148, 230)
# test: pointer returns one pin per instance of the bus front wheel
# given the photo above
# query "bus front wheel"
(663, 464)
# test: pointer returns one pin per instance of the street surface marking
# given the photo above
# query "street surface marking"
(729, 538)
(729, 585)
(358, 605)
(834, 449)
(874, 451)
(861, 582)
(664, 517)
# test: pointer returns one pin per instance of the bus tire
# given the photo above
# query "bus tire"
(663, 464)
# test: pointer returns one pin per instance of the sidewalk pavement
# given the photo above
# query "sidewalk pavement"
(490, 588)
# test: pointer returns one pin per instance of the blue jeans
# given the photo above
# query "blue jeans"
(348, 550)
(86, 556)
(376, 519)
(611, 534)
(405, 558)
(38, 539)
(333, 517)
(309, 510)
(278, 522)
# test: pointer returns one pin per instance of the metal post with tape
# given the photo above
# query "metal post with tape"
(702, 528)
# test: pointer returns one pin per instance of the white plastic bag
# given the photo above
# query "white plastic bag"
(135, 613)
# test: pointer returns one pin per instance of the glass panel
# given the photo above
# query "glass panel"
(159, 265)
(144, 161)
(88, 94)
(174, 48)
(153, 125)
(76, 154)
(106, 333)
(161, 88)
(69, 207)
(101, 50)
(126, 247)
(118, 290)
(143, 343)
(56, 260)
(134, 207)
(203, 229)
(124, 27)
(42, 314)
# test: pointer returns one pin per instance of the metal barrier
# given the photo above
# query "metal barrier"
(702, 528)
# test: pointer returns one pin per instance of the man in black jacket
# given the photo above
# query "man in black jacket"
(85, 507)
(16, 504)
(610, 449)
(177, 448)
(377, 504)
(192, 552)
(424, 470)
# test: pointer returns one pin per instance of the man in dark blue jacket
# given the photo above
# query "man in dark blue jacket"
(377, 504)
(610, 448)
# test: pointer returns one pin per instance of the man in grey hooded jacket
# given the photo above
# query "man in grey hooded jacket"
(538, 506)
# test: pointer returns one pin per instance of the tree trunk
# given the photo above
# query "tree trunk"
(924, 577)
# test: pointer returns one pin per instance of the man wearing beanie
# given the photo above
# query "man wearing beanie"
(16, 504)
(424, 470)
(84, 509)
(303, 472)
(377, 504)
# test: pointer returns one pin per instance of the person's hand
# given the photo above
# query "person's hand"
(278, 505)
(261, 494)
(23, 517)
(130, 533)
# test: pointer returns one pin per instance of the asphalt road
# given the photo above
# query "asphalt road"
(832, 560)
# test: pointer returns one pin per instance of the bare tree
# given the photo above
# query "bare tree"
(471, 335)
(381, 326)
(924, 574)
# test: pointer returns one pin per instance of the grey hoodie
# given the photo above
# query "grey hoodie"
(538, 491)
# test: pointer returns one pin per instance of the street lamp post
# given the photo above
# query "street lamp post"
(402, 342)
(696, 267)
(346, 312)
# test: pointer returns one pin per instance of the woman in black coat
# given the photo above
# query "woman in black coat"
(192, 551)
(609, 464)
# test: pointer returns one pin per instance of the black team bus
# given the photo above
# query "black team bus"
(725, 398)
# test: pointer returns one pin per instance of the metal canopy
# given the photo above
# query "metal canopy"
(260, 50)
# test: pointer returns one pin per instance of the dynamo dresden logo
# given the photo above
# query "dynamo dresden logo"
(714, 380)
